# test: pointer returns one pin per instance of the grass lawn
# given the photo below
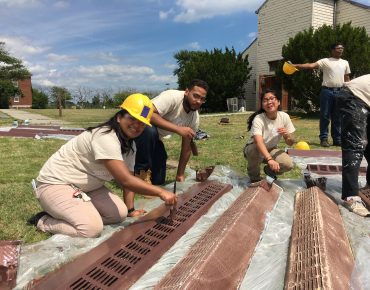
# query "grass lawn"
(22, 158)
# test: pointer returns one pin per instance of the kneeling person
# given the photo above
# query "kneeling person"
(267, 126)
(174, 112)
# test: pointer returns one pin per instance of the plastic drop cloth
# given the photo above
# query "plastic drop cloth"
(268, 265)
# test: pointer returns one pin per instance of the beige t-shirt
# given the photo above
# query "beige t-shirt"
(360, 87)
(267, 128)
(333, 71)
(78, 162)
(169, 106)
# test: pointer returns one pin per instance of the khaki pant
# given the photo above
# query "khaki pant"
(255, 159)
(74, 216)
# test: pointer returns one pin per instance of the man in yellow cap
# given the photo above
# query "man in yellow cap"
(176, 112)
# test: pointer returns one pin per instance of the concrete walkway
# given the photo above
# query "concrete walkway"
(34, 119)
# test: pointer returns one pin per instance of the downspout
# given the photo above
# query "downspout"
(335, 14)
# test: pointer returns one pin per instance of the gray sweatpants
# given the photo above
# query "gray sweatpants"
(255, 159)
(75, 217)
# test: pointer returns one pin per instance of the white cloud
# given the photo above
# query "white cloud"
(196, 10)
(44, 82)
(252, 34)
(61, 4)
(163, 78)
(60, 57)
(22, 47)
(112, 69)
(170, 65)
(20, 3)
(165, 14)
(107, 56)
(194, 45)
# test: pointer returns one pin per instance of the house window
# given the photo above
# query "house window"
(16, 99)
(273, 65)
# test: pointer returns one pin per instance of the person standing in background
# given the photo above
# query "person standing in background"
(335, 72)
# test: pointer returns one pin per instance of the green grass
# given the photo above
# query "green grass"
(21, 160)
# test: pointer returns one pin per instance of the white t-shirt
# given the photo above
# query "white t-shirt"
(333, 71)
(78, 162)
(267, 128)
(360, 87)
(169, 106)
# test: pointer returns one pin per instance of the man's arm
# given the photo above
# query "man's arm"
(184, 158)
(184, 132)
(346, 78)
(312, 65)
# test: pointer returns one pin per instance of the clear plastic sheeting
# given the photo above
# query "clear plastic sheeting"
(268, 265)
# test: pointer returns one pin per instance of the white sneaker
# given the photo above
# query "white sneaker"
(356, 205)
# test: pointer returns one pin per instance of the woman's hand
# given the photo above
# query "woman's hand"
(274, 166)
(283, 132)
(168, 197)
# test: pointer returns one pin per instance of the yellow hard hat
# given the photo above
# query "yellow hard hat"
(288, 68)
(139, 106)
(301, 145)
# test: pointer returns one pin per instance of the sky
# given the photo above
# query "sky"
(120, 44)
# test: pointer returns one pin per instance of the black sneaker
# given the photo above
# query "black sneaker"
(324, 143)
(269, 172)
(33, 220)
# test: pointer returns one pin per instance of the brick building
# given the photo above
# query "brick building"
(24, 100)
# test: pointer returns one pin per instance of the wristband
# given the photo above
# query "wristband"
(130, 210)
(268, 159)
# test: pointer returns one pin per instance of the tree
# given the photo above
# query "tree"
(120, 96)
(59, 96)
(39, 99)
(11, 70)
(225, 72)
(311, 45)
(83, 95)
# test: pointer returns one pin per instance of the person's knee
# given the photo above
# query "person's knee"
(287, 165)
(92, 229)
(120, 216)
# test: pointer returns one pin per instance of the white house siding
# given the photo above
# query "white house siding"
(322, 13)
(278, 21)
(250, 88)
(359, 16)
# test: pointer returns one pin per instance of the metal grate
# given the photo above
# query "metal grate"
(330, 169)
(317, 234)
(221, 256)
(118, 262)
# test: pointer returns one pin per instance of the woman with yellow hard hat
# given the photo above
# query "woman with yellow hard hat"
(70, 186)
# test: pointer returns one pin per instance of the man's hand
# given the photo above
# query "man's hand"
(186, 132)
(274, 165)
